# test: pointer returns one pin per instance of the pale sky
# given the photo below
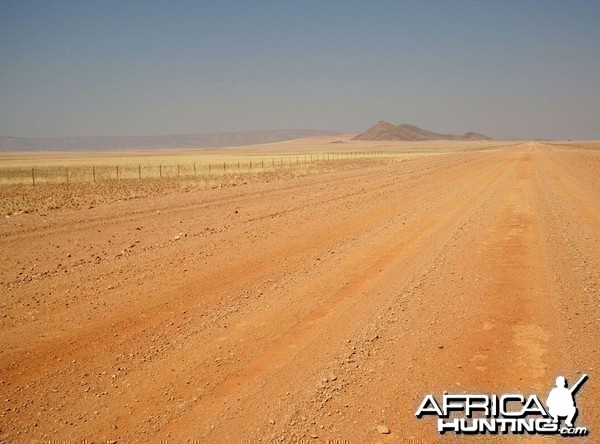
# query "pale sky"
(527, 69)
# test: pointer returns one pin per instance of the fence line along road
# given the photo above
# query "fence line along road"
(97, 173)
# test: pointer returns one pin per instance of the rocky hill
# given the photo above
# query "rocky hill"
(387, 131)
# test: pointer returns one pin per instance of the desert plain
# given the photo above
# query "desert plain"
(315, 304)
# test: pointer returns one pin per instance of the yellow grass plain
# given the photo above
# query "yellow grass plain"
(41, 181)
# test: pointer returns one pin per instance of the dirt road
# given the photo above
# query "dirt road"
(315, 308)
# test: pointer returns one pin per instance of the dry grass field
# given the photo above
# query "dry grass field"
(33, 181)
(314, 302)
(61, 167)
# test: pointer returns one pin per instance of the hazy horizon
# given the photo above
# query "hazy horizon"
(505, 69)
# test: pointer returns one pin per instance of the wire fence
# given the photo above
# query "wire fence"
(99, 173)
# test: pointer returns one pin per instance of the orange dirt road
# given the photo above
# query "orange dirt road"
(306, 309)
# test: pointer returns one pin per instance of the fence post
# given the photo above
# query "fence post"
(33, 176)
(223, 167)
(194, 169)
(177, 170)
(209, 167)
(250, 165)
(67, 174)
(263, 164)
(94, 173)
(140, 172)
(160, 171)
(117, 172)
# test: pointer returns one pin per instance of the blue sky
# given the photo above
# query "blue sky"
(528, 69)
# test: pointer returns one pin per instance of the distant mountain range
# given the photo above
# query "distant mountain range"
(110, 143)
(386, 131)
